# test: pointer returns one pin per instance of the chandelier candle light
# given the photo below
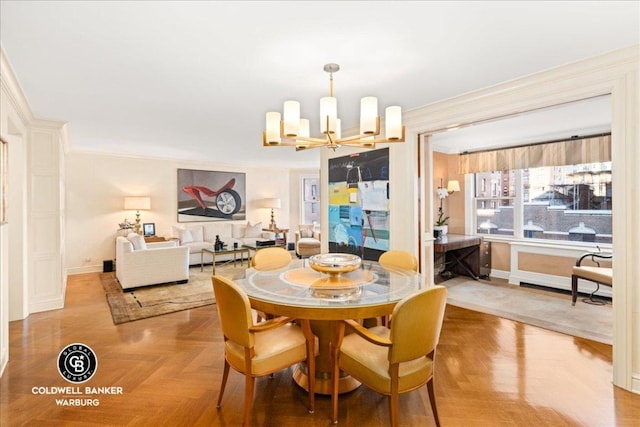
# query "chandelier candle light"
(292, 131)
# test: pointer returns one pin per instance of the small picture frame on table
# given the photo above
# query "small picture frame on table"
(149, 229)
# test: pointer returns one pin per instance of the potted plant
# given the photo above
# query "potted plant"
(441, 228)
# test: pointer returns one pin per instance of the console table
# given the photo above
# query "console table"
(461, 253)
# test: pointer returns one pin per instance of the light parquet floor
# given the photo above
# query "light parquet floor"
(489, 372)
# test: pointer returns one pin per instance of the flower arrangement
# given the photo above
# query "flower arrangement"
(442, 220)
(126, 225)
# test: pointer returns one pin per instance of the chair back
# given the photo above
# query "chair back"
(270, 259)
(306, 230)
(400, 259)
(234, 311)
(417, 321)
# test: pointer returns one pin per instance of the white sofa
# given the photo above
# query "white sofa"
(142, 264)
(199, 236)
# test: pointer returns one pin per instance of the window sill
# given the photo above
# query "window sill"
(539, 243)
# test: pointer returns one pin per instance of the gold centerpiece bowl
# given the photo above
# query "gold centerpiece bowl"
(334, 265)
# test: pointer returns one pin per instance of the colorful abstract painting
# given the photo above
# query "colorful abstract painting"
(359, 204)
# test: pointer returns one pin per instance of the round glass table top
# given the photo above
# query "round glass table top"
(300, 285)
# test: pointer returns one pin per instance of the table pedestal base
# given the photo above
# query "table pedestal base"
(346, 383)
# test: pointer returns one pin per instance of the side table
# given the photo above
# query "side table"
(154, 239)
(284, 232)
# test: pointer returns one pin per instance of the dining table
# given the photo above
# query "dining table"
(301, 292)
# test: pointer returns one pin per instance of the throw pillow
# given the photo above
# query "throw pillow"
(306, 231)
(183, 234)
(253, 230)
(197, 234)
(137, 241)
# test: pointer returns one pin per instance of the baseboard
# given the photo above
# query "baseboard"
(80, 270)
(499, 274)
(52, 304)
(635, 383)
(4, 359)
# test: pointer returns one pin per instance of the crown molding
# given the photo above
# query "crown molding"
(487, 103)
(12, 90)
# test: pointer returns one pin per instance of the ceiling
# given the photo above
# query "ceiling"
(581, 118)
(193, 80)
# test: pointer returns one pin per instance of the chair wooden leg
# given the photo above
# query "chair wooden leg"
(225, 375)
(311, 362)
(394, 371)
(432, 400)
(574, 289)
(248, 397)
(336, 341)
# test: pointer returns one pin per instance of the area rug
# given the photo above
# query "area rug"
(537, 307)
(150, 301)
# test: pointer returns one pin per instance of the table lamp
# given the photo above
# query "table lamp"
(137, 204)
(272, 203)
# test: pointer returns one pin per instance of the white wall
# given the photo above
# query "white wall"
(96, 185)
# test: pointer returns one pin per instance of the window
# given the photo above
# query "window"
(310, 212)
(494, 208)
(554, 202)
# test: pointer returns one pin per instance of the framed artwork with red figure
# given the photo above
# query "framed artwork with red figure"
(210, 195)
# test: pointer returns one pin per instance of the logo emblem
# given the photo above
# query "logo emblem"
(77, 363)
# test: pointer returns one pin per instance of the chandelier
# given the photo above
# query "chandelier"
(290, 130)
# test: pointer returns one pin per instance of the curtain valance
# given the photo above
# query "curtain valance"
(594, 149)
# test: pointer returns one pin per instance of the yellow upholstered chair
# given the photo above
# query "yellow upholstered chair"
(257, 350)
(270, 259)
(396, 360)
(394, 258)
(401, 259)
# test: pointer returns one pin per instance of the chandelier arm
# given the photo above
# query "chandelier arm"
(295, 143)
(307, 147)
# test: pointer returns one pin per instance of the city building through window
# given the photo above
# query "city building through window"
(570, 202)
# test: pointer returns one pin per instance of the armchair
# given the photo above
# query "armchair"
(396, 360)
(262, 349)
(307, 241)
(141, 264)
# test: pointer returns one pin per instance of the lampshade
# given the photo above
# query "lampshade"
(271, 203)
(137, 203)
(291, 118)
(273, 128)
(328, 109)
(453, 185)
(368, 114)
